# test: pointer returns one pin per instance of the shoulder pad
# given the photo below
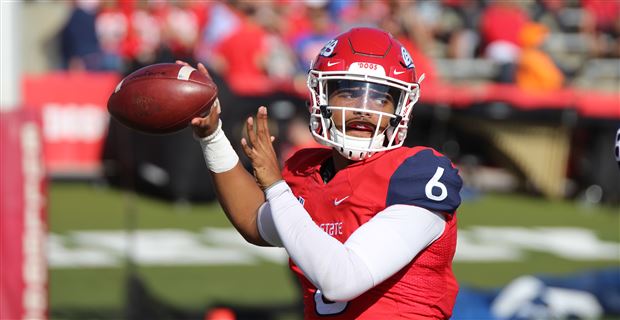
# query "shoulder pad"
(426, 179)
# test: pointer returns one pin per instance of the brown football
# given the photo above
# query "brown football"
(162, 98)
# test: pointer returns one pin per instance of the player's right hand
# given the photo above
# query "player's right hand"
(259, 148)
(205, 126)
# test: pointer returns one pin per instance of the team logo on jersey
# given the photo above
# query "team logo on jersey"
(406, 58)
(301, 200)
(328, 49)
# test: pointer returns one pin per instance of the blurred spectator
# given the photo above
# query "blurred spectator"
(601, 22)
(548, 12)
(308, 43)
(162, 32)
(279, 60)
(259, 47)
(181, 22)
(294, 20)
(79, 44)
(535, 69)
(112, 27)
(605, 14)
(460, 32)
(500, 25)
(240, 56)
(362, 13)
(423, 23)
(221, 22)
(297, 137)
(403, 28)
(145, 37)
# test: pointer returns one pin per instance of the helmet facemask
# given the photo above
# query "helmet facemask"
(386, 131)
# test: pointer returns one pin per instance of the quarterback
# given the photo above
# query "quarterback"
(369, 225)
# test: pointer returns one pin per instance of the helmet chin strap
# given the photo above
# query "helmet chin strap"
(352, 147)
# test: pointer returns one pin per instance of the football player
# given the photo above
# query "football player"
(369, 225)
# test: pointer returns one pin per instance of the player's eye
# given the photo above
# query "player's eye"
(348, 94)
(380, 98)
(383, 101)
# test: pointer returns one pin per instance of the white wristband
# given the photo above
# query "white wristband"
(218, 152)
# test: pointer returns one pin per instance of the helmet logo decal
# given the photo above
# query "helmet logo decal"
(406, 58)
(328, 49)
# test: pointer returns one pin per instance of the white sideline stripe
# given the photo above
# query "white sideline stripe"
(185, 72)
(224, 246)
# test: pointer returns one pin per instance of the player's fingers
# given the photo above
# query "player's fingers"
(212, 120)
(213, 116)
(246, 148)
(202, 69)
(250, 131)
(273, 138)
(199, 122)
(214, 111)
(262, 123)
(217, 106)
(181, 62)
(196, 122)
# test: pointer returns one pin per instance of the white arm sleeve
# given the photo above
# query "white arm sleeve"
(266, 226)
(373, 253)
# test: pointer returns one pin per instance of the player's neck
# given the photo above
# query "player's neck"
(340, 162)
(332, 165)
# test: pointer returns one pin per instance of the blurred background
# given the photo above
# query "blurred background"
(102, 222)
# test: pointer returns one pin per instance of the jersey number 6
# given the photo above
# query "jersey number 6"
(434, 183)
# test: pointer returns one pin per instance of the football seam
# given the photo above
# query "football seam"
(168, 78)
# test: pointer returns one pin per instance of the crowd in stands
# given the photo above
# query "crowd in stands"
(259, 47)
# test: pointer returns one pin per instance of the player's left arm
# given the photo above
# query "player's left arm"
(374, 252)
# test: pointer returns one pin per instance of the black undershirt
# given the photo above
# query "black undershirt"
(328, 171)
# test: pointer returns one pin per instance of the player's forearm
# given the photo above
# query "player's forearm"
(236, 189)
(240, 198)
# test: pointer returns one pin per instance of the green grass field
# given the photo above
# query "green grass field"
(79, 206)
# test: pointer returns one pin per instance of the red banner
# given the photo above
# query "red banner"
(23, 279)
(75, 118)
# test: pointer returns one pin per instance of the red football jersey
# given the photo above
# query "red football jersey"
(424, 288)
